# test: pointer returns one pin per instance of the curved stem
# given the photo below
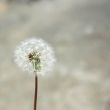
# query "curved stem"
(35, 94)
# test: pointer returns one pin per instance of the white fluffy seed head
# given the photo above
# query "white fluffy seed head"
(35, 55)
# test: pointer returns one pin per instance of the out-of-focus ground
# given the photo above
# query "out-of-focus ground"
(79, 31)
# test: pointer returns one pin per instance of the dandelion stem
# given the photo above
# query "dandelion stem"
(35, 94)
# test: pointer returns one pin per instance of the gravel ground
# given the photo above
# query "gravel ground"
(79, 31)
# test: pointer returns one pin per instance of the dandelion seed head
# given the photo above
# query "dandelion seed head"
(35, 55)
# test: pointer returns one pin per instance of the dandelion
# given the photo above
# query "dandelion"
(36, 57)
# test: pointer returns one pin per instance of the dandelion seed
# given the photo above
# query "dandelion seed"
(35, 55)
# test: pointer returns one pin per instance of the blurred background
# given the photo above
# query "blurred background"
(79, 31)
